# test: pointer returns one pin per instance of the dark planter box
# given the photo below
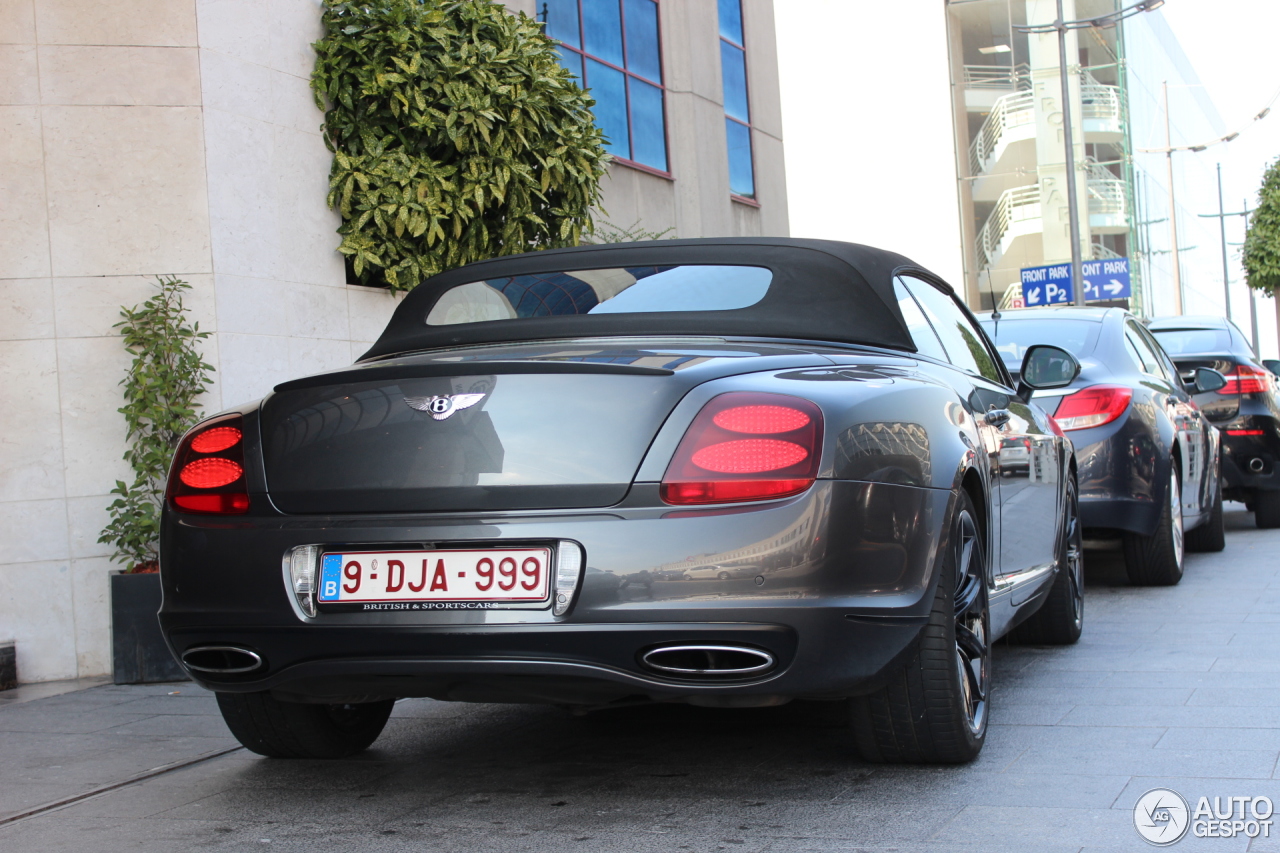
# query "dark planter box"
(139, 654)
(8, 665)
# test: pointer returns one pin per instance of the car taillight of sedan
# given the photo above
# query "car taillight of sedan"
(208, 470)
(746, 447)
(1247, 379)
(1093, 406)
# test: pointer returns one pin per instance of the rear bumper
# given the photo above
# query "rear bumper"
(819, 652)
(839, 588)
(1237, 453)
(1118, 467)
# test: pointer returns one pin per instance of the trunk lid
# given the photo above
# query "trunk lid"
(516, 427)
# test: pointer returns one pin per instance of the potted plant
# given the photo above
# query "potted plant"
(160, 391)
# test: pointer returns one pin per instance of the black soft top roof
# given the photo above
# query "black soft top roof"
(821, 290)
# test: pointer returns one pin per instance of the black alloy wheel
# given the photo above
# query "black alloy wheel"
(1157, 560)
(1060, 619)
(935, 709)
(972, 623)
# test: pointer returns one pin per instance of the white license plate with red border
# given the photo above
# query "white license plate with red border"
(435, 579)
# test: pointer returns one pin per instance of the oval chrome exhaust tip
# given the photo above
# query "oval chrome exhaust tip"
(707, 661)
(1256, 465)
(221, 660)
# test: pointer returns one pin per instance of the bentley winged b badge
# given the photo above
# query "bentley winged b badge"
(442, 406)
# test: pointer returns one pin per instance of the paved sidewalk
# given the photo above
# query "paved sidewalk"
(1172, 687)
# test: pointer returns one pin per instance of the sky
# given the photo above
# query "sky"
(844, 118)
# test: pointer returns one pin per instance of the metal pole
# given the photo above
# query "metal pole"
(1077, 282)
(1173, 217)
(1222, 228)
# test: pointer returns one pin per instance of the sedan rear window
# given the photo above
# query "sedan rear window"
(1013, 337)
(1180, 341)
(619, 290)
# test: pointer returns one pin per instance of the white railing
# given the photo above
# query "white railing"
(1016, 109)
(997, 77)
(1102, 253)
(1012, 110)
(1016, 205)
(1106, 196)
(1098, 100)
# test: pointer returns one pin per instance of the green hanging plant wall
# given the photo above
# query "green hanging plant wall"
(457, 136)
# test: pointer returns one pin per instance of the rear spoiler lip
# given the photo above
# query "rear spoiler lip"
(383, 372)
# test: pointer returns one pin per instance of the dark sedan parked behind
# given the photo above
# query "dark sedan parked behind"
(1245, 410)
(490, 506)
(1148, 458)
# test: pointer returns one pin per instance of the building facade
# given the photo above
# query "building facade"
(179, 137)
(1011, 163)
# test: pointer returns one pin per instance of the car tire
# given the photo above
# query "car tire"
(935, 709)
(1060, 619)
(724, 576)
(1211, 535)
(1266, 510)
(1156, 560)
(278, 729)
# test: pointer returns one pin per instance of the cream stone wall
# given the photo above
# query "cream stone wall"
(179, 137)
(142, 138)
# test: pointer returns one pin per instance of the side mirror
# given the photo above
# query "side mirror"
(1205, 380)
(1272, 364)
(1044, 367)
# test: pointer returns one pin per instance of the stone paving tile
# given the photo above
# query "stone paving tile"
(1136, 696)
(1265, 739)
(1203, 716)
(1209, 763)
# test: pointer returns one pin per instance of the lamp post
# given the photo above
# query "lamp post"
(1061, 27)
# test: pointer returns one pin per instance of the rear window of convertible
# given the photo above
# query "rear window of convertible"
(618, 290)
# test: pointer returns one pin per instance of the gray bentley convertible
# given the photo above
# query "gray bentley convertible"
(727, 472)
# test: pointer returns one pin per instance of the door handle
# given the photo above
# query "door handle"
(997, 417)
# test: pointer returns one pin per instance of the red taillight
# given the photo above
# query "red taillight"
(749, 456)
(1246, 432)
(208, 470)
(229, 504)
(1247, 380)
(760, 420)
(717, 463)
(215, 439)
(1092, 406)
(210, 473)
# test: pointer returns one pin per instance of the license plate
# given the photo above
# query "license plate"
(424, 580)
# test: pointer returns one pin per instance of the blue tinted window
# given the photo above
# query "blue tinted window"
(737, 106)
(608, 86)
(733, 65)
(648, 133)
(602, 29)
(572, 61)
(628, 108)
(562, 21)
(643, 56)
(731, 20)
(742, 179)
